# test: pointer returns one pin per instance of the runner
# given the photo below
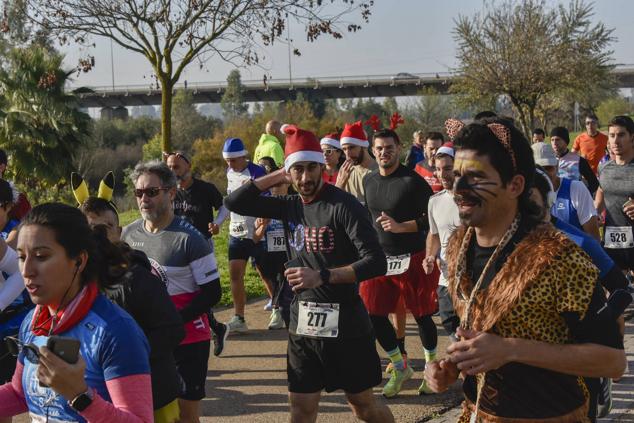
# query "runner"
(21, 205)
(269, 144)
(14, 300)
(401, 224)
(359, 163)
(333, 247)
(610, 275)
(616, 193)
(443, 221)
(195, 201)
(416, 152)
(333, 156)
(141, 294)
(183, 259)
(574, 203)
(571, 165)
(425, 167)
(241, 228)
(271, 231)
(538, 135)
(591, 144)
(518, 363)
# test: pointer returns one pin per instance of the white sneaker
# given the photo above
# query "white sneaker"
(268, 306)
(237, 324)
(276, 321)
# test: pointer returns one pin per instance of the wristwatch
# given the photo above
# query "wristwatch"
(81, 401)
(324, 274)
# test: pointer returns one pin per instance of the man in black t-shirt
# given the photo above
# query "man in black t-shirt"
(333, 246)
(527, 296)
(397, 199)
(195, 201)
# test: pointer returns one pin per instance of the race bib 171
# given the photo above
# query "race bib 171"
(397, 265)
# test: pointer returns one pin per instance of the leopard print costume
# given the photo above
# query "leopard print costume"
(544, 276)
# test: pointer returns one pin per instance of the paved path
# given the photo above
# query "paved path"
(247, 384)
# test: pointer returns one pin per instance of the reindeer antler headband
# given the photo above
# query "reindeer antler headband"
(501, 132)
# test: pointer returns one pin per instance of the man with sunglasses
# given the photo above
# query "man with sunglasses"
(184, 261)
(195, 201)
(591, 145)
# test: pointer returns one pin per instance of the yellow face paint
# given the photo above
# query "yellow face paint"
(461, 165)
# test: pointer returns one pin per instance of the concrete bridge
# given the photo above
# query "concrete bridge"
(401, 84)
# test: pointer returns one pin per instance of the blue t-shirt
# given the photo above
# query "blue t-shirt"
(112, 345)
(11, 224)
(588, 244)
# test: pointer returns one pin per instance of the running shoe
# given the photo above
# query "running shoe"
(397, 379)
(390, 365)
(269, 306)
(219, 336)
(423, 389)
(604, 399)
(276, 321)
(237, 324)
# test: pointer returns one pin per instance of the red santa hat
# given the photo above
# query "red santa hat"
(331, 140)
(301, 146)
(354, 134)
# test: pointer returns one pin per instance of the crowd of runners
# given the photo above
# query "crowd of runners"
(523, 249)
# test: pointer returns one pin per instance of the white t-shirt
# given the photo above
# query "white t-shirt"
(443, 220)
(582, 201)
(242, 226)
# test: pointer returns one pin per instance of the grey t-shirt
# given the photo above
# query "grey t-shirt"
(617, 183)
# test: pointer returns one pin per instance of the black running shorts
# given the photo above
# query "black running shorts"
(624, 258)
(191, 362)
(314, 364)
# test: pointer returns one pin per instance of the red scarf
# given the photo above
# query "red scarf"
(67, 317)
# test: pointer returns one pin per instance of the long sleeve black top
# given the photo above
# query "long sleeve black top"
(331, 231)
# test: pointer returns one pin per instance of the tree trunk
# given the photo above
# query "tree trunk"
(166, 114)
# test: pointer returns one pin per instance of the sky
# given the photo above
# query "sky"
(413, 36)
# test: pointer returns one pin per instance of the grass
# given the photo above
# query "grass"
(253, 284)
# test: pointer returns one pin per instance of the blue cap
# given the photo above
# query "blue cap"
(234, 147)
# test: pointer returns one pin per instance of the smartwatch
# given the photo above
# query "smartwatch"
(324, 274)
(81, 401)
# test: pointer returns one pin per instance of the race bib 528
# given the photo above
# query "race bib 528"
(618, 237)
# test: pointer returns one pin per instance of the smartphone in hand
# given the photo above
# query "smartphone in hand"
(65, 348)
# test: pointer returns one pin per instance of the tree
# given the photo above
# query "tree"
(40, 125)
(232, 101)
(613, 107)
(172, 34)
(525, 50)
(188, 123)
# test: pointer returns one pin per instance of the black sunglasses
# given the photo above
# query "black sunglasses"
(15, 347)
(150, 192)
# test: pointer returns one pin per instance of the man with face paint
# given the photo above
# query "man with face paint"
(521, 289)
(332, 249)
(359, 163)
(397, 198)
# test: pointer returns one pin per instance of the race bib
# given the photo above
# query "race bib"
(238, 228)
(397, 264)
(318, 319)
(275, 241)
(618, 237)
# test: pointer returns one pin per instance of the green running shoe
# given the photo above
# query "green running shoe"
(395, 384)
(423, 389)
